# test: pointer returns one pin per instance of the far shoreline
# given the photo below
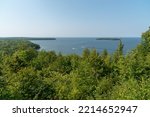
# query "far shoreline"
(113, 39)
(27, 38)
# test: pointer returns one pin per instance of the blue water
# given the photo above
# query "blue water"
(77, 45)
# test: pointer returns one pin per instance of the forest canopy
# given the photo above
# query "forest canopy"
(26, 73)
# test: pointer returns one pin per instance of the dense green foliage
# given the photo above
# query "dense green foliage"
(10, 46)
(26, 73)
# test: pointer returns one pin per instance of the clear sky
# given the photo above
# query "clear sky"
(74, 18)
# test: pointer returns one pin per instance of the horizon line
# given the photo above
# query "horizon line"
(71, 37)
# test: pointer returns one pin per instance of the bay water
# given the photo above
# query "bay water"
(77, 45)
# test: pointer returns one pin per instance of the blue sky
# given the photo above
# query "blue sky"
(74, 18)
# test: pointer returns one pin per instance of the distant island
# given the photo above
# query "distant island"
(115, 39)
(26, 38)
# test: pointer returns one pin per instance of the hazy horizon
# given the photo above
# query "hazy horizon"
(74, 18)
(68, 37)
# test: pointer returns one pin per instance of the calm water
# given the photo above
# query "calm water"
(77, 45)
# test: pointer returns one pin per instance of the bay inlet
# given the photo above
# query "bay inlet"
(77, 45)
